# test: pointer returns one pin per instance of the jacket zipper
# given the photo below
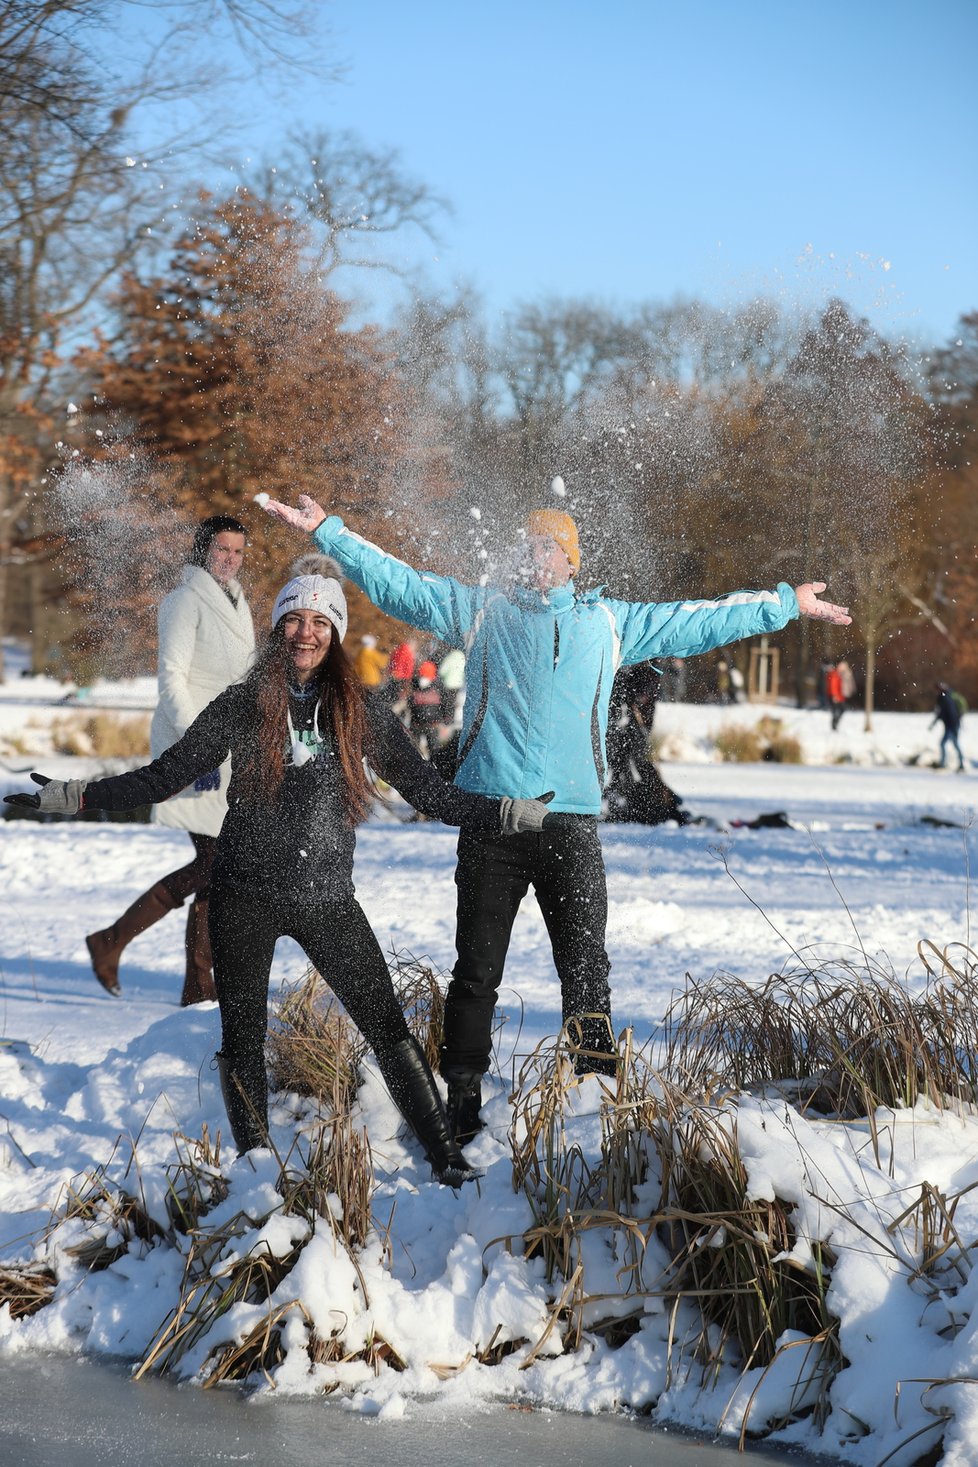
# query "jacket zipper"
(556, 641)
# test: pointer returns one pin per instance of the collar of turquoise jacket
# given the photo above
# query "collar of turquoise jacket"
(558, 599)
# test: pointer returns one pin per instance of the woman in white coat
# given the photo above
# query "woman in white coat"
(206, 642)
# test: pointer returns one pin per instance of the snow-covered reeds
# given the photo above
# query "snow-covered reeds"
(195, 1183)
(231, 1312)
(670, 1196)
(108, 1220)
(26, 1288)
(735, 1255)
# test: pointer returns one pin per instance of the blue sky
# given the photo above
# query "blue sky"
(639, 151)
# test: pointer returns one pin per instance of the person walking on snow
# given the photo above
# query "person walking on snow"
(206, 641)
(297, 730)
(540, 663)
(947, 710)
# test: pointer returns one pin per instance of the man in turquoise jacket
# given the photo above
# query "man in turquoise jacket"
(540, 661)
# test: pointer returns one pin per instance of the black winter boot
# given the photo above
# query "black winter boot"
(412, 1086)
(464, 1105)
(596, 1052)
(247, 1113)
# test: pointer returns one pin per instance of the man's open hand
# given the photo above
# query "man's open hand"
(307, 514)
(809, 605)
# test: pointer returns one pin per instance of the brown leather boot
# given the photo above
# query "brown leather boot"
(198, 985)
(105, 947)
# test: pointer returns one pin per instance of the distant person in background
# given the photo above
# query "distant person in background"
(400, 677)
(833, 693)
(206, 642)
(723, 681)
(636, 790)
(451, 675)
(736, 684)
(425, 707)
(370, 662)
(949, 710)
(847, 681)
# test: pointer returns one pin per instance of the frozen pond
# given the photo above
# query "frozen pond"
(67, 1412)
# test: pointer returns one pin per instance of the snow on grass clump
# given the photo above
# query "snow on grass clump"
(764, 1225)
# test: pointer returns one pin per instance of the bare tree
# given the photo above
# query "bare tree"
(359, 196)
(74, 207)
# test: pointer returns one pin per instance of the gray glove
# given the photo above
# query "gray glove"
(55, 797)
(517, 816)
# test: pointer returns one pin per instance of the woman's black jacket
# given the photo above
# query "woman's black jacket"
(302, 843)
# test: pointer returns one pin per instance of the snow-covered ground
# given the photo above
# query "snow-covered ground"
(868, 861)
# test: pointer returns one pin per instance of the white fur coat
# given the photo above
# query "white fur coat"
(206, 644)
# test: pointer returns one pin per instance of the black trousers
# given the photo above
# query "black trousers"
(566, 869)
(337, 939)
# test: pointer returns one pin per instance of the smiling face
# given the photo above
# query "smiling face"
(225, 555)
(307, 638)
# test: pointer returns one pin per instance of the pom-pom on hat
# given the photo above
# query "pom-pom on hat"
(560, 527)
(312, 593)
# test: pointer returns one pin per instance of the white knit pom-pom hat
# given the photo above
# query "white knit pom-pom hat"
(312, 593)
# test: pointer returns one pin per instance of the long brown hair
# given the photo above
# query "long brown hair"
(343, 706)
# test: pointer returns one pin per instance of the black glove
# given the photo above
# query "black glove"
(517, 816)
(56, 796)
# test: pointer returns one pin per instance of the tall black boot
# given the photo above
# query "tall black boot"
(247, 1107)
(411, 1084)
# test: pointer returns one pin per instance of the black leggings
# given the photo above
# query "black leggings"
(194, 878)
(339, 942)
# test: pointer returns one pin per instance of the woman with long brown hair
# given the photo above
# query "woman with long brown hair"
(298, 728)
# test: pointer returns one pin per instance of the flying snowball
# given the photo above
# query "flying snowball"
(262, 500)
(475, 512)
(558, 486)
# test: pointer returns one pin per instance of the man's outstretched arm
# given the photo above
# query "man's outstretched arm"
(433, 603)
(687, 628)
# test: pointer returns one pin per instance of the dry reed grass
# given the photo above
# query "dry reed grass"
(313, 1049)
(767, 740)
(668, 1196)
(330, 1178)
(706, 1242)
(101, 735)
(844, 1039)
(26, 1288)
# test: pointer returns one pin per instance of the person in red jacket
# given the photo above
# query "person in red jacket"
(835, 695)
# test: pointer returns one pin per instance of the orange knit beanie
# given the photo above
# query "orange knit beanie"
(560, 527)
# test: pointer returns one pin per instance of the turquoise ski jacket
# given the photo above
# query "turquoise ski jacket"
(539, 668)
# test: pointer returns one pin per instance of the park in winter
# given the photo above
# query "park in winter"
(487, 733)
